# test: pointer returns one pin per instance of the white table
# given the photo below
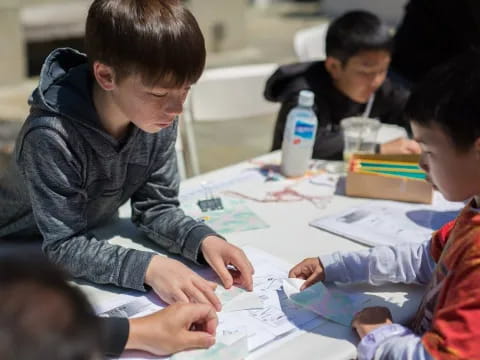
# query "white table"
(290, 238)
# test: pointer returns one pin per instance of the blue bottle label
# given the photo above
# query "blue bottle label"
(304, 130)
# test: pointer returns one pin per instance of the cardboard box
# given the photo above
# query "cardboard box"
(388, 187)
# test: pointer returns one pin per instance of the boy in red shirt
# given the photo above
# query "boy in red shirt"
(444, 112)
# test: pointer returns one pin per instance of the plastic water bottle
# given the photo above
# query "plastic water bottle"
(299, 136)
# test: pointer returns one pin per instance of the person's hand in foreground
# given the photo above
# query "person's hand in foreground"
(174, 282)
(176, 328)
(229, 262)
(400, 146)
(371, 318)
(311, 270)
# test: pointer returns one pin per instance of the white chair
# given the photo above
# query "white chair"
(228, 93)
(309, 44)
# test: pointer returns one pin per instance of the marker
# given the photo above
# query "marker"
(387, 164)
(406, 174)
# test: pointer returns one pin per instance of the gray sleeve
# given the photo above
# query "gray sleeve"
(52, 174)
(156, 212)
(404, 263)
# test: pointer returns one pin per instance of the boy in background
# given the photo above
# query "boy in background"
(358, 49)
(101, 131)
(445, 117)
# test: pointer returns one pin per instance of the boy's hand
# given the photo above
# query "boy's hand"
(175, 328)
(311, 270)
(174, 282)
(400, 146)
(219, 254)
(371, 318)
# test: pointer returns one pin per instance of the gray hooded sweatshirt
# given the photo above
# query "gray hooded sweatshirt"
(69, 176)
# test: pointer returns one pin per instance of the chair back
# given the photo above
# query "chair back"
(223, 94)
(309, 44)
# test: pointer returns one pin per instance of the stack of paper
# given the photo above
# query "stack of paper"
(390, 222)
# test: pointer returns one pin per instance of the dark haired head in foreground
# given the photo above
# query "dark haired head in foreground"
(42, 316)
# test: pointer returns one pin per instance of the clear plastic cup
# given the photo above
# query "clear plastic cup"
(360, 136)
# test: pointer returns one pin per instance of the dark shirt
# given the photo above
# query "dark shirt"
(432, 32)
(115, 335)
(330, 105)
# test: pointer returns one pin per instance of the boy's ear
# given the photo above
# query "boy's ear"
(333, 66)
(104, 75)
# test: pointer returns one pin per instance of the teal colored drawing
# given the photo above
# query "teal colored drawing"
(332, 305)
(234, 217)
(226, 295)
(233, 347)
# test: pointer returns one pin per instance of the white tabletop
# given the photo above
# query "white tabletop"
(290, 238)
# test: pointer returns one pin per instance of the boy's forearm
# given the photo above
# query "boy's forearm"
(178, 234)
(406, 263)
(100, 262)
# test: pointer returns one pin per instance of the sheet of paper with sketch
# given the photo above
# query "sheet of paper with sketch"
(333, 304)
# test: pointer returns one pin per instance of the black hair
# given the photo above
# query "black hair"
(354, 32)
(448, 96)
(42, 316)
(158, 39)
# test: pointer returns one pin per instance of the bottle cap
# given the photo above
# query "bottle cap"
(306, 98)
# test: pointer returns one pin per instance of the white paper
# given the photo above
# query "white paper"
(391, 222)
(232, 346)
(245, 301)
(264, 315)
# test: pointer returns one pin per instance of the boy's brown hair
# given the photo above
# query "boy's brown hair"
(159, 40)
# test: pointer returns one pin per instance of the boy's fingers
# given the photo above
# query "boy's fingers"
(219, 267)
(196, 296)
(178, 297)
(246, 271)
(239, 279)
(207, 293)
(205, 316)
(293, 273)
(198, 339)
(212, 284)
(312, 279)
(299, 271)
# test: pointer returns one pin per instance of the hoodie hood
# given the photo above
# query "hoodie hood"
(288, 80)
(65, 90)
(65, 86)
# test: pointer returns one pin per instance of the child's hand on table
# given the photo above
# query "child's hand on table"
(310, 269)
(174, 282)
(176, 328)
(219, 254)
(371, 318)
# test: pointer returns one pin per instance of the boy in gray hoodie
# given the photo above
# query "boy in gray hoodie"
(101, 131)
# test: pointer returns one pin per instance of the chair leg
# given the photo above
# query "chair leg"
(181, 165)
(188, 137)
